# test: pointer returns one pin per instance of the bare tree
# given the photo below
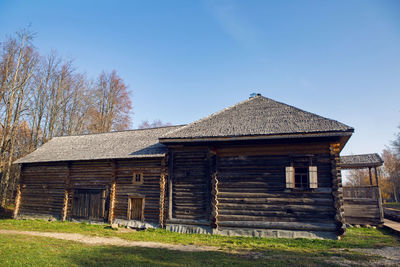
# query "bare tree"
(19, 59)
(357, 177)
(112, 106)
(78, 106)
(44, 97)
(156, 123)
(396, 144)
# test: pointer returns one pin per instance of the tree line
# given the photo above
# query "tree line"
(389, 174)
(43, 96)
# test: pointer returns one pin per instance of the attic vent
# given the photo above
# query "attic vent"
(254, 95)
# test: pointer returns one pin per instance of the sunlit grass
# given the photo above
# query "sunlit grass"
(22, 250)
(354, 238)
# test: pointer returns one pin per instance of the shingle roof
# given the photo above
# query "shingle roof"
(257, 116)
(360, 161)
(127, 144)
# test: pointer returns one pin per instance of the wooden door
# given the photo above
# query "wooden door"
(136, 208)
(89, 204)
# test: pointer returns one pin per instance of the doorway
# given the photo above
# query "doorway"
(89, 204)
(136, 208)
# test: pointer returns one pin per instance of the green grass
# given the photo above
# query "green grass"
(354, 238)
(21, 250)
(393, 205)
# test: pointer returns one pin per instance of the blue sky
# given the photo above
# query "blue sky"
(184, 60)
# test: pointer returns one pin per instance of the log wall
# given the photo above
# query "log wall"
(95, 174)
(253, 188)
(150, 189)
(47, 189)
(244, 186)
(191, 184)
(42, 190)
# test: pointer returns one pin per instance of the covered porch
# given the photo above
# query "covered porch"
(363, 204)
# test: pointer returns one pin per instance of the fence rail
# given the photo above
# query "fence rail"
(362, 205)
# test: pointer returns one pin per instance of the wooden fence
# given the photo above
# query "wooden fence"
(362, 205)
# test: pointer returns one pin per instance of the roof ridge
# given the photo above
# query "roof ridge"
(213, 114)
(268, 101)
(123, 131)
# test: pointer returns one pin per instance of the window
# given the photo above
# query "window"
(301, 177)
(137, 178)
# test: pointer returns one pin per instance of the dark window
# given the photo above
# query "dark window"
(301, 178)
(137, 178)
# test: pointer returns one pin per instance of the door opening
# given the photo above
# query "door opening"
(89, 204)
(136, 208)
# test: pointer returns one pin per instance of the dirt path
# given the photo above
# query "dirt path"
(112, 241)
(390, 255)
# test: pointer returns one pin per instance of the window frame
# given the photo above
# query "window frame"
(303, 174)
(312, 177)
(135, 173)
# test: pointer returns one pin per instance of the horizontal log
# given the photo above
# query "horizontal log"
(188, 222)
(259, 215)
(286, 194)
(281, 225)
(269, 207)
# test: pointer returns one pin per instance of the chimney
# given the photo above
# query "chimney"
(252, 95)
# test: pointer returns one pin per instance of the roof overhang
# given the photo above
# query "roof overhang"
(150, 156)
(361, 161)
(344, 136)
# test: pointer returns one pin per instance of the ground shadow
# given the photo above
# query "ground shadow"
(136, 256)
(6, 213)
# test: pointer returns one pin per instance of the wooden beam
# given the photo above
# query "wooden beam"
(337, 194)
(17, 201)
(162, 192)
(18, 197)
(379, 197)
(113, 191)
(208, 167)
(170, 181)
(301, 226)
(214, 193)
(348, 133)
(66, 192)
(376, 177)
(370, 176)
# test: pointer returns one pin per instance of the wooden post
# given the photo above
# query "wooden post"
(336, 185)
(376, 177)
(162, 193)
(17, 201)
(170, 185)
(379, 196)
(214, 192)
(18, 196)
(208, 167)
(113, 191)
(65, 205)
(370, 176)
(66, 192)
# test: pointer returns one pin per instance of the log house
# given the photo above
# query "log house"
(259, 168)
